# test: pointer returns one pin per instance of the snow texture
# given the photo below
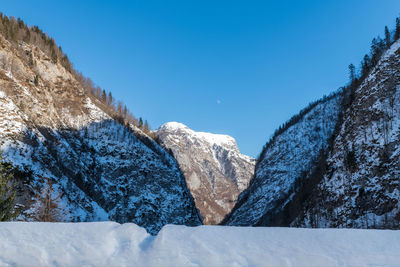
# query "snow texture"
(112, 244)
(215, 171)
(365, 193)
(289, 155)
(54, 130)
(357, 182)
(212, 139)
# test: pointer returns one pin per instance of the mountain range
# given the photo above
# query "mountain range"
(335, 164)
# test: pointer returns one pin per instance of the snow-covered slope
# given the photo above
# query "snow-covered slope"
(53, 130)
(112, 244)
(216, 172)
(316, 174)
(290, 154)
(361, 185)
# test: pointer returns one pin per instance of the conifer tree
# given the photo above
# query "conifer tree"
(365, 65)
(388, 39)
(377, 48)
(104, 96)
(397, 30)
(110, 99)
(8, 210)
(352, 73)
(146, 127)
(119, 108)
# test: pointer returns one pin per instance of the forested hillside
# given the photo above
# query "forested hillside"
(335, 163)
(63, 133)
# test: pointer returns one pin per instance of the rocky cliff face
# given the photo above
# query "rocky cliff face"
(336, 166)
(288, 156)
(52, 129)
(215, 170)
(360, 186)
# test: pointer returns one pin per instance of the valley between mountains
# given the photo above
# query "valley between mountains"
(335, 164)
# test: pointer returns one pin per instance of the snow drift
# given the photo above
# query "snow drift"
(113, 244)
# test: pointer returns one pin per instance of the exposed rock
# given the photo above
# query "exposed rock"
(284, 161)
(336, 166)
(55, 130)
(216, 172)
(361, 187)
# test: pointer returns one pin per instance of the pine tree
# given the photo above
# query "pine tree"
(104, 96)
(388, 39)
(365, 66)
(119, 108)
(377, 49)
(8, 211)
(110, 99)
(125, 112)
(140, 122)
(352, 73)
(397, 31)
(146, 127)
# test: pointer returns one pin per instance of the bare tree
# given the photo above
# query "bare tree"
(48, 209)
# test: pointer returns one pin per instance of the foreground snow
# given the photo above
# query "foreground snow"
(112, 244)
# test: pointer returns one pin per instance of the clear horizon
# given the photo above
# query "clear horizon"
(223, 67)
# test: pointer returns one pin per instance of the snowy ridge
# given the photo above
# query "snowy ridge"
(215, 171)
(217, 139)
(112, 244)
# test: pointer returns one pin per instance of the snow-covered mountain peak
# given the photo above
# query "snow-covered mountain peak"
(215, 171)
(173, 125)
(209, 138)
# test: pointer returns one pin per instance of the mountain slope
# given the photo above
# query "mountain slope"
(293, 151)
(52, 128)
(216, 173)
(361, 187)
(337, 163)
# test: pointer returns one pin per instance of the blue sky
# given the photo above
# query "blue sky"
(235, 67)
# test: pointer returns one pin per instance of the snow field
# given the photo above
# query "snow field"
(113, 244)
